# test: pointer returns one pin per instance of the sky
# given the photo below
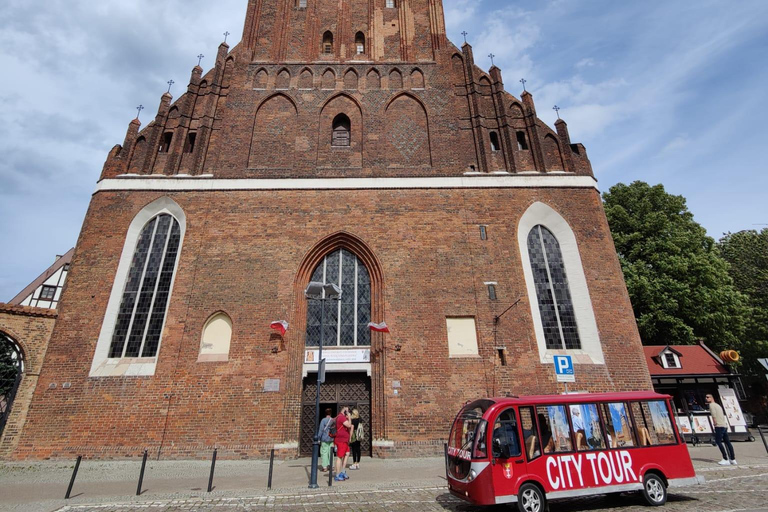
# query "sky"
(661, 91)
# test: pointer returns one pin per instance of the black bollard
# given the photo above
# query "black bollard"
(74, 475)
(141, 475)
(330, 472)
(271, 465)
(445, 450)
(760, 429)
(213, 467)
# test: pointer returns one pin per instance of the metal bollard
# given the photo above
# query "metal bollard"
(74, 475)
(330, 472)
(445, 450)
(213, 467)
(141, 475)
(271, 465)
(760, 431)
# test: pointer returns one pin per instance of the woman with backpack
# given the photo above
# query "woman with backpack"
(357, 434)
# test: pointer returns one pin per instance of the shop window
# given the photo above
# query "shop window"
(618, 425)
(552, 291)
(341, 131)
(462, 336)
(587, 432)
(522, 144)
(555, 432)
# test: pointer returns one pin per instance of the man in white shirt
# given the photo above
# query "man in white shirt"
(721, 432)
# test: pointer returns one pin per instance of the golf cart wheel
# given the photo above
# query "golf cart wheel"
(654, 490)
(531, 499)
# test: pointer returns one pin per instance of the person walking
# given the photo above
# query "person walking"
(341, 441)
(355, 438)
(721, 432)
(326, 441)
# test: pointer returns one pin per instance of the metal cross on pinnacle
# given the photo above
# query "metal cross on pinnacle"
(557, 110)
(200, 58)
(139, 109)
(226, 35)
(491, 56)
(465, 33)
(522, 81)
(170, 83)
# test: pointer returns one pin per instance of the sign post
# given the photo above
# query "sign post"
(564, 370)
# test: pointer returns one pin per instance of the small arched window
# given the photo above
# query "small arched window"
(165, 143)
(341, 131)
(216, 339)
(328, 43)
(552, 291)
(495, 141)
(522, 145)
(360, 43)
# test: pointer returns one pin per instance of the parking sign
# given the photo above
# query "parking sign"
(564, 369)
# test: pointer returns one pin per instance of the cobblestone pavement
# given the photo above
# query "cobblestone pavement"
(737, 489)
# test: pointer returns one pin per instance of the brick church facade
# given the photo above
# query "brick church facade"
(345, 142)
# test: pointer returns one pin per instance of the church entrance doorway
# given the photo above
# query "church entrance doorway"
(340, 389)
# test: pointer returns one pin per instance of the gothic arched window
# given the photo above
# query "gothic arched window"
(345, 322)
(12, 368)
(341, 131)
(144, 302)
(554, 297)
(328, 42)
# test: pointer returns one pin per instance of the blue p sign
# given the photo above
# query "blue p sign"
(564, 369)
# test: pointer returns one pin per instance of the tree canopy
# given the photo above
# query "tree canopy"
(678, 282)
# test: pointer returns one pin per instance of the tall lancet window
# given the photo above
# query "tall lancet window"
(345, 322)
(144, 301)
(552, 291)
(328, 42)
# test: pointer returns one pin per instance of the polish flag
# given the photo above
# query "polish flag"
(382, 327)
(280, 325)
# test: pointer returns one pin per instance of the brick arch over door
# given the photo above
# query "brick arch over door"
(315, 255)
(273, 144)
(407, 133)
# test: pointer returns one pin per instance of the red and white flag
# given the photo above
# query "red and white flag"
(280, 326)
(382, 327)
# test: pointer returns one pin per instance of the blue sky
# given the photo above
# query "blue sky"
(662, 91)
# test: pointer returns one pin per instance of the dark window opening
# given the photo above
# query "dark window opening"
(502, 356)
(328, 43)
(575, 149)
(495, 141)
(66, 267)
(670, 357)
(521, 142)
(492, 291)
(341, 131)
(48, 292)
(165, 144)
(360, 43)
(483, 233)
(189, 147)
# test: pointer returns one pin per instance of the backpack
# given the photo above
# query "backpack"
(332, 429)
(360, 432)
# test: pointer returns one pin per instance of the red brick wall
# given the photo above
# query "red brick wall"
(241, 255)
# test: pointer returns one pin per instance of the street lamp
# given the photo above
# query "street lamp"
(322, 292)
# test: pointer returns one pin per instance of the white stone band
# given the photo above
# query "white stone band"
(184, 183)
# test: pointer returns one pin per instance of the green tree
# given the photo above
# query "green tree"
(747, 254)
(678, 282)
